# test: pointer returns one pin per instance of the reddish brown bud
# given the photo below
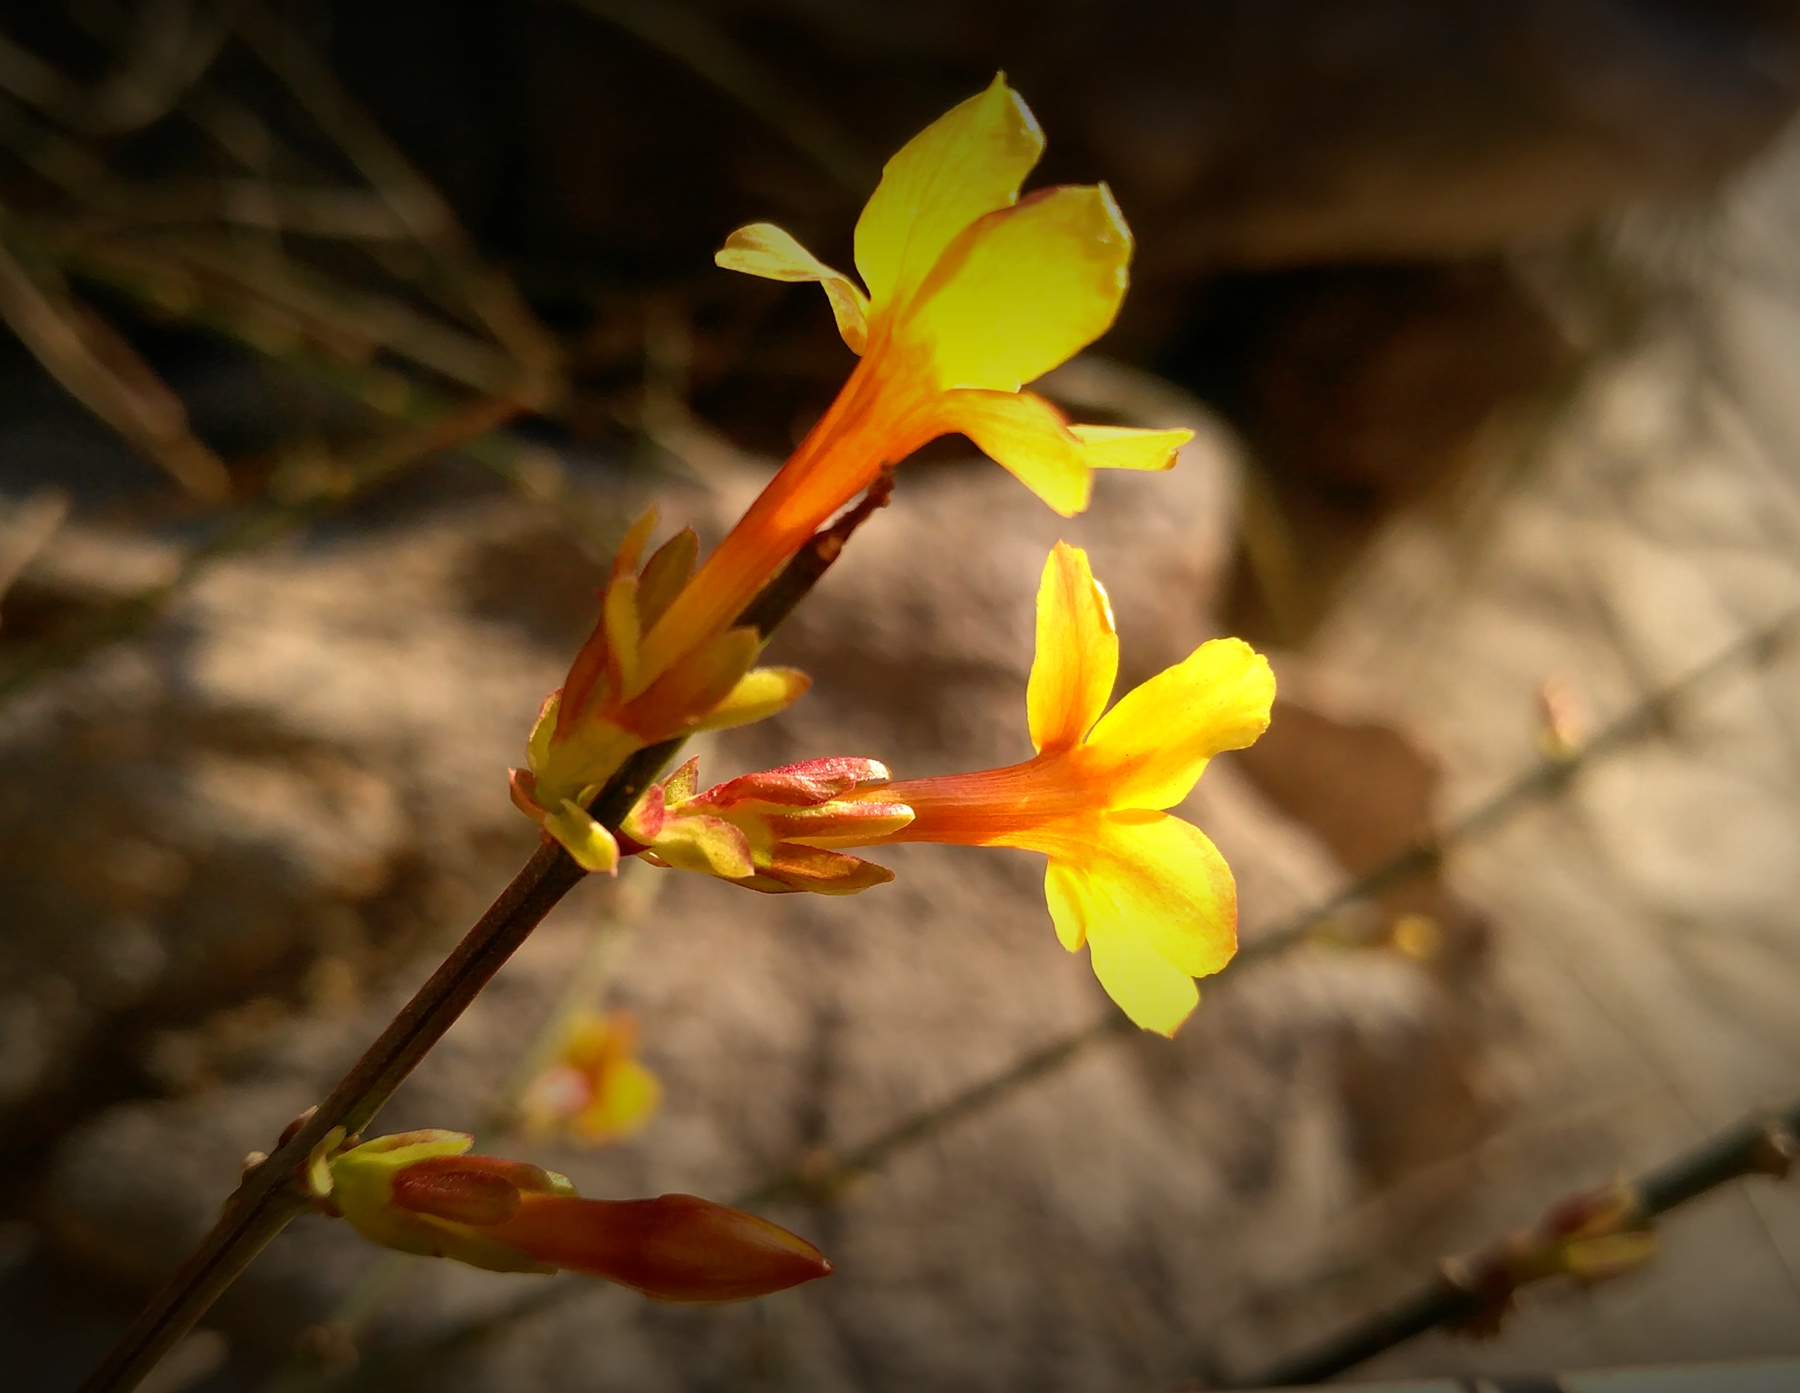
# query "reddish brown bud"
(450, 1187)
(674, 1247)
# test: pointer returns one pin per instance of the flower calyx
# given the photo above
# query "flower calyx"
(615, 701)
(772, 831)
(1591, 1236)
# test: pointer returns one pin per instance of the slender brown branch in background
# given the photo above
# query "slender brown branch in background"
(824, 1181)
(253, 527)
(268, 1199)
(1478, 1289)
(101, 371)
(824, 1177)
(410, 196)
(692, 38)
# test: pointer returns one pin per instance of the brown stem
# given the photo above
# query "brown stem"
(1758, 1146)
(269, 1199)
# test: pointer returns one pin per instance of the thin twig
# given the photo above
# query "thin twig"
(268, 1199)
(101, 371)
(691, 38)
(633, 896)
(1463, 1290)
(411, 197)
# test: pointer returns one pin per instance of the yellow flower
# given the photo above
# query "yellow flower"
(971, 292)
(1147, 892)
(596, 1091)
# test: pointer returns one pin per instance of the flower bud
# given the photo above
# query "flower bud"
(595, 1090)
(420, 1192)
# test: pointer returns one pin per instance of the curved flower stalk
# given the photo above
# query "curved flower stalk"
(1147, 892)
(595, 1091)
(419, 1192)
(969, 291)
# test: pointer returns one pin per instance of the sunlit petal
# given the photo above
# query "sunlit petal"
(1024, 289)
(1148, 988)
(1151, 747)
(1077, 652)
(1146, 874)
(1126, 447)
(763, 249)
(968, 162)
(1027, 436)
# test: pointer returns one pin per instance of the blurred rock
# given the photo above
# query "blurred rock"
(226, 821)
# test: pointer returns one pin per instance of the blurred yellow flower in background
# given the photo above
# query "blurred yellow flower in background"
(595, 1090)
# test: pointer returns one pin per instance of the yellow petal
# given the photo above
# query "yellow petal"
(1146, 873)
(1151, 747)
(1154, 900)
(1077, 652)
(1025, 435)
(758, 694)
(1055, 460)
(623, 1104)
(968, 162)
(1125, 447)
(1023, 289)
(586, 840)
(763, 249)
(1155, 994)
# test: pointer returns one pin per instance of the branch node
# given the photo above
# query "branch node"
(1775, 1151)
